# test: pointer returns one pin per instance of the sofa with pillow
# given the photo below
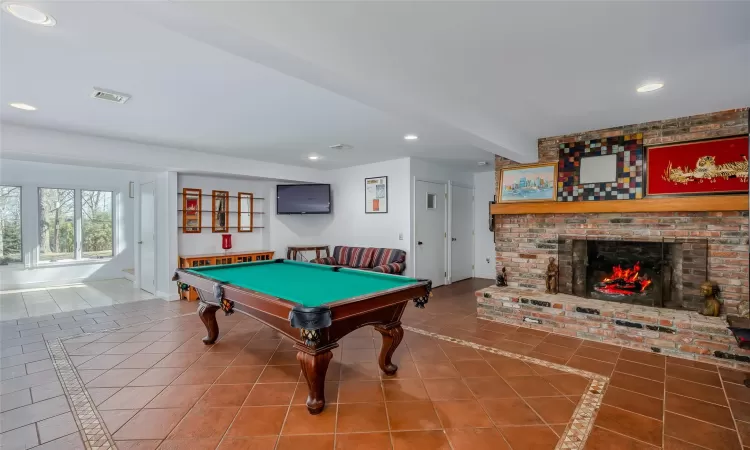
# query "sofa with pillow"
(384, 260)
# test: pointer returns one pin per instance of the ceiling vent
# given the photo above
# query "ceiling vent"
(340, 147)
(110, 96)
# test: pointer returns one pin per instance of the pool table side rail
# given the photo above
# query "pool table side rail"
(275, 312)
(207, 284)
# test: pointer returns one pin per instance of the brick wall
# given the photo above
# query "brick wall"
(524, 242)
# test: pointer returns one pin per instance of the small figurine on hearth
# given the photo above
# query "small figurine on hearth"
(743, 310)
(551, 281)
(712, 305)
(502, 278)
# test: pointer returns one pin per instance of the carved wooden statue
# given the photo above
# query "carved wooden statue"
(712, 305)
(551, 279)
(502, 278)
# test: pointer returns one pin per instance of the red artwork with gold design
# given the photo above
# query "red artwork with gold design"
(717, 166)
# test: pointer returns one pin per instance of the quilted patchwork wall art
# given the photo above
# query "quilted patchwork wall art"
(628, 179)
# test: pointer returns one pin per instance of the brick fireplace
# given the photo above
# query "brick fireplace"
(666, 273)
(523, 243)
(676, 252)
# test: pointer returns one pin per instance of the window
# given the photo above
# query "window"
(57, 231)
(96, 224)
(10, 225)
(431, 201)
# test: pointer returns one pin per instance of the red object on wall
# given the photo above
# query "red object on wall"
(684, 159)
(226, 241)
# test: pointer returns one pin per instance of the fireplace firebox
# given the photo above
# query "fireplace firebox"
(665, 274)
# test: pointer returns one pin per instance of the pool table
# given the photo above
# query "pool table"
(315, 305)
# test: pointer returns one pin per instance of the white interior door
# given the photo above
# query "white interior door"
(147, 238)
(430, 231)
(462, 230)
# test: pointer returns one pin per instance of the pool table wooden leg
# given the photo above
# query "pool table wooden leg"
(207, 313)
(314, 367)
(392, 336)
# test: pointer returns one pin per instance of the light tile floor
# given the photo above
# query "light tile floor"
(22, 303)
(34, 411)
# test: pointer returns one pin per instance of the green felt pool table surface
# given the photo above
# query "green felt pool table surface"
(307, 284)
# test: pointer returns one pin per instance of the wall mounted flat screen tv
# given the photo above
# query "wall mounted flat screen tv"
(303, 199)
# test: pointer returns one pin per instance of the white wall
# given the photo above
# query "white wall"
(209, 242)
(484, 245)
(299, 229)
(348, 224)
(30, 176)
(430, 171)
(166, 234)
(352, 226)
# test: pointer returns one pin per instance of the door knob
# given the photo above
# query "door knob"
(419, 243)
(140, 242)
(453, 239)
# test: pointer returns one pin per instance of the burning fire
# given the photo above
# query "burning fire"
(626, 281)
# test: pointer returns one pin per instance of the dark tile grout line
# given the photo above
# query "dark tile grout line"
(667, 358)
(622, 357)
(297, 383)
(239, 410)
(664, 400)
(118, 307)
(484, 409)
(717, 363)
(88, 420)
(729, 405)
(187, 314)
(587, 416)
(62, 379)
(638, 440)
(663, 406)
(183, 371)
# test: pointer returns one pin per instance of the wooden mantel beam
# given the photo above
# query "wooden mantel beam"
(669, 204)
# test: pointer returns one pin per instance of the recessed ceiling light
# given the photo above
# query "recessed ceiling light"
(411, 137)
(23, 106)
(313, 157)
(648, 87)
(29, 14)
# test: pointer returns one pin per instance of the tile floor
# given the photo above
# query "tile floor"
(155, 385)
(34, 412)
(22, 303)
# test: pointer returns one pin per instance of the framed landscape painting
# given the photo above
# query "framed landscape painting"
(529, 183)
(705, 167)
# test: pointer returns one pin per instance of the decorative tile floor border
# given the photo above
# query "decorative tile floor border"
(575, 435)
(97, 437)
(90, 423)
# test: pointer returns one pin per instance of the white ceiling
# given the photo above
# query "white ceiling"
(277, 81)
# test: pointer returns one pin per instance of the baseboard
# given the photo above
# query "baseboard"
(50, 284)
(127, 275)
(170, 297)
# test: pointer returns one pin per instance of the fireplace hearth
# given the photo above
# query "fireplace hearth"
(665, 274)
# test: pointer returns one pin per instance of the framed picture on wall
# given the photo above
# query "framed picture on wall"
(528, 183)
(601, 169)
(376, 195)
(705, 167)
